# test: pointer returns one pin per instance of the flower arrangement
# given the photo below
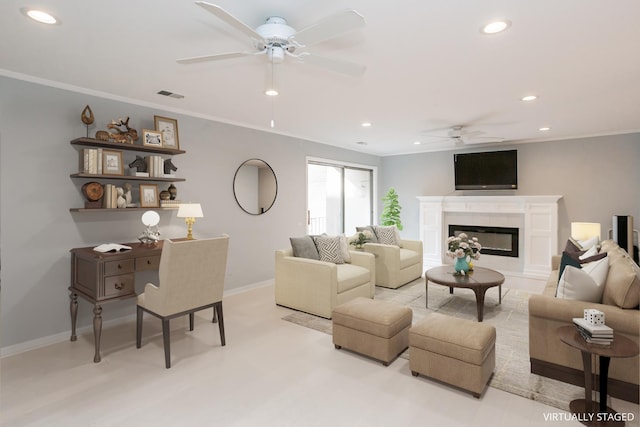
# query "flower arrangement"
(462, 246)
(360, 238)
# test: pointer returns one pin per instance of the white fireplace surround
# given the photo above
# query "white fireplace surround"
(536, 217)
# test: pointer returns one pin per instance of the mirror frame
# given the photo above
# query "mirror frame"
(275, 179)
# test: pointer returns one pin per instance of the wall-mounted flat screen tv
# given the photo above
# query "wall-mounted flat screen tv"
(493, 170)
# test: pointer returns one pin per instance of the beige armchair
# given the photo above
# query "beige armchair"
(396, 266)
(191, 276)
(317, 287)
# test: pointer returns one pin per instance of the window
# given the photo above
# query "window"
(339, 197)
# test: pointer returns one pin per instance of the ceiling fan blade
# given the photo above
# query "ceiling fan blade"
(337, 65)
(482, 140)
(472, 134)
(218, 57)
(329, 27)
(230, 19)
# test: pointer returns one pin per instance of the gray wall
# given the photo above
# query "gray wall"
(597, 177)
(37, 230)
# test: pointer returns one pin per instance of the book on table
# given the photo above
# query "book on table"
(594, 334)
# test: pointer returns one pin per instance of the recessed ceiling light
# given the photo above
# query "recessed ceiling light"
(271, 92)
(366, 124)
(544, 129)
(417, 143)
(40, 16)
(496, 26)
(529, 98)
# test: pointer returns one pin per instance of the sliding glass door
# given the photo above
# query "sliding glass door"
(339, 198)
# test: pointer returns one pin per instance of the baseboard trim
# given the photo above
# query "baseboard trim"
(22, 347)
(616, 388)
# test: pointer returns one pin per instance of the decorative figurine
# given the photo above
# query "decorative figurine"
(139, 163)
(127, 136)
(173, 191)
(121, 202)
(127, 194)
(152, 233)
(169, 166)
(87, 117)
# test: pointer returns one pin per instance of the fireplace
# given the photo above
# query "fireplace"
(500, 241)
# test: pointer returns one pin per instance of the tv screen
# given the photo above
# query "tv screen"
(494, 170)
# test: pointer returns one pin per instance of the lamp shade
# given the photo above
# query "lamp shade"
(190, 210)
(585, 230)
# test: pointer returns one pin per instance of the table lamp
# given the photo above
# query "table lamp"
(585, 230)
(190, 211)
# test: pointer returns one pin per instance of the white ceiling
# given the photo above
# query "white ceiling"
(428, 66)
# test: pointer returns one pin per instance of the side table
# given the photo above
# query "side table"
(586, 408)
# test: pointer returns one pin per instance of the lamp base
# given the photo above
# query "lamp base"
(189, 222)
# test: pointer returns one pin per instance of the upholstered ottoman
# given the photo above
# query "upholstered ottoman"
(378, 329)
(455, 351)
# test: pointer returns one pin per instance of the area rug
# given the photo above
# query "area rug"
(511, 319)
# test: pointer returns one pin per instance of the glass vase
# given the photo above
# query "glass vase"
(461, 266)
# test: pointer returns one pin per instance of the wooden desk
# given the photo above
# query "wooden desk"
(101, 278)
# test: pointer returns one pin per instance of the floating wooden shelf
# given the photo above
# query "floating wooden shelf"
(92, 142)
(120, 210)
(125, 177)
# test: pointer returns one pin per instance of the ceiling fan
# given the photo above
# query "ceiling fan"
(460, 135)
(276, 40)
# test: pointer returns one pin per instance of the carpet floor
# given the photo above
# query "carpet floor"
(512, 343)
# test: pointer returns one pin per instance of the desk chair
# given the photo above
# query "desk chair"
(191, 276)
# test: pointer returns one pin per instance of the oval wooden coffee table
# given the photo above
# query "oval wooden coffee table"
(478, 280)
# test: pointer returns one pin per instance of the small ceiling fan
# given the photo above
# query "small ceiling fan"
(276, 40)
(460, 135)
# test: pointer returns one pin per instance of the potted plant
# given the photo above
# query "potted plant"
(391, 210)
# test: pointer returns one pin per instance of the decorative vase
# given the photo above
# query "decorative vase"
(461, 266)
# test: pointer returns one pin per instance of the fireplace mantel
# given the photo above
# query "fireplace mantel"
(537, 217)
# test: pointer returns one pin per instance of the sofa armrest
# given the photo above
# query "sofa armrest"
(368, 261)
(626, 321)
(413, 245)
(555, 262)
(305, 284)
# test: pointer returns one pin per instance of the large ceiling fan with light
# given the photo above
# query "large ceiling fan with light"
(277, 40)
(460, 135)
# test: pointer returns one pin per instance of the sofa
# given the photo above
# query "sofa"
(551, 358)
(317, 286)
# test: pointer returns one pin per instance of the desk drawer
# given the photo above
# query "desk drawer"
(119, 285)
(112, 268)
(147, 263)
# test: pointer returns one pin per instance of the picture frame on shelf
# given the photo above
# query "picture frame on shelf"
(152, 138)
(149, 196)
(112, 162)
(169, 130)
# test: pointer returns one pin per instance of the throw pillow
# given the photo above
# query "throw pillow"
(373, 238)
(304, 247)
(386, 235)
(623, 283)
(567, 260)
(586, 284)
(329, 249)
(589, 243)
(344, 248)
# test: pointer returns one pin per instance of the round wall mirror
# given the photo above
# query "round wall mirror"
(255, 186)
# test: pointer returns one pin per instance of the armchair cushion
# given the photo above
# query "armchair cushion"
(351, 276)
(409, 258)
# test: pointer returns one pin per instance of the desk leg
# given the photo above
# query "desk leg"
(97, 330)
(73, 310)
